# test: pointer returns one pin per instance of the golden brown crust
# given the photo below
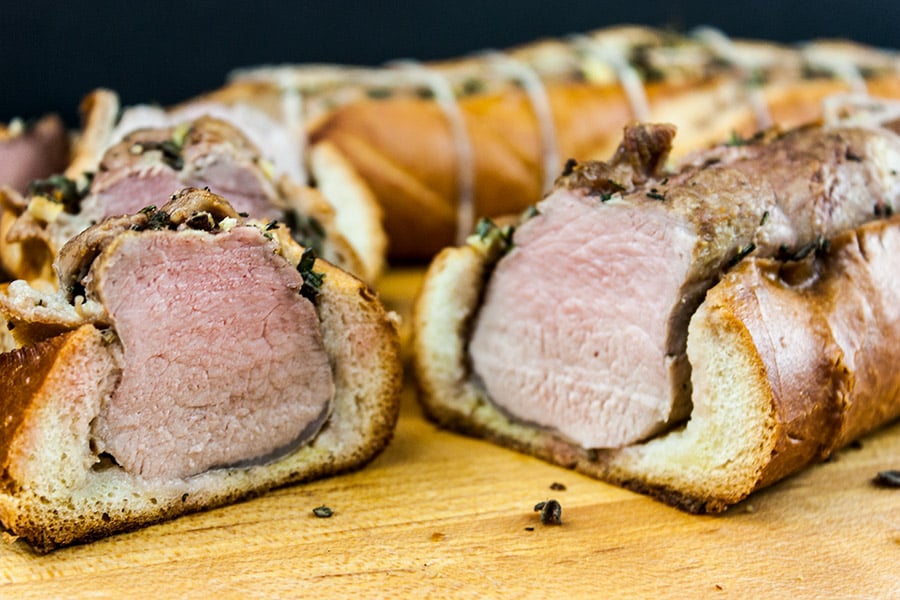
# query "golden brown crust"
(789, 366)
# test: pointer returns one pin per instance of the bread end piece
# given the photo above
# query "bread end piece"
(55, 490)
(715, 460)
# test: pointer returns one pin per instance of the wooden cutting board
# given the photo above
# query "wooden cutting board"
(440, 515)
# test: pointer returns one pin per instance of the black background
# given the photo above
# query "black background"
(53, 53)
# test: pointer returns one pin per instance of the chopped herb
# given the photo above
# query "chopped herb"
(569, 167)
(379, 93)
(642, 61)
(556, 486)
(272, 225)
(307, 231)
(605, 197)
(764, 219)
(323, 512)
(529, 213)
(551, 512)
(244, 214)
(312, 280)
(472, 86)
(664, 181)
(888, 479)
(425, 93)
(491, 238)
(616, 185)
(159, 220)
(529, 529)
(812, 72)
(148, 210)
(736, 139)
(171, 152)
(742, 253)
(653, 195)
(61, 190)
(820, 244)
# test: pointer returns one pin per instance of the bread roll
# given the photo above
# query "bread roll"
(190, 359)
(695, 335)
(443, 144)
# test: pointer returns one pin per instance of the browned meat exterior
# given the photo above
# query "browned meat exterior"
(485, 134)
(155, 163)
(189, 352)
(592, 345)
(32, 152)
(790, 362)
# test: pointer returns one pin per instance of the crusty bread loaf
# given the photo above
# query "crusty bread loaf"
(499, 142)
(791, 361)
(56, 486)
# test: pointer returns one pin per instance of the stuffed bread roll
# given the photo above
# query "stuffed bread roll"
(445, 143)
(570, 339)
(190, 358)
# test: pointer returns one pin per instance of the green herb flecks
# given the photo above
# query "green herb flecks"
(312, 280)
(742, 254)
(169, 149)
(156, 220)
(61, 190)
(307, 231)
(492, 240)
(323, 512)
(820, 244)
(379, 93)
(736, 140)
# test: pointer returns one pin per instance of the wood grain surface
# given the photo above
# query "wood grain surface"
(439, 515)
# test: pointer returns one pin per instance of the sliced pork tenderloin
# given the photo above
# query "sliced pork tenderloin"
(791, 361)
(583, 324)
(213, 358)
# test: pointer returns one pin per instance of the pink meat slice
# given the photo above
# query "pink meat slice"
(223, 362)
(569, 335)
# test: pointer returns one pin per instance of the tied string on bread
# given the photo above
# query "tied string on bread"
(627, 75)
(534, 88)
(293, 113)
(465, 158)
(722, 46)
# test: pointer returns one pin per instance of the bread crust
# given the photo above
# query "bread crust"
(786, 372)
(405, 150)
(55, 490)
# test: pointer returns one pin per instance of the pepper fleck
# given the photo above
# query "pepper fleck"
(551, 512)
(888, 479)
